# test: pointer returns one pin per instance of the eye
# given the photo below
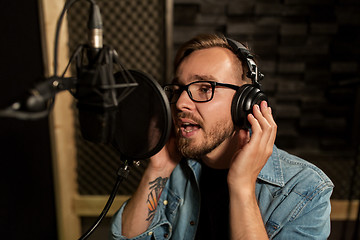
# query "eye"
(205, 88)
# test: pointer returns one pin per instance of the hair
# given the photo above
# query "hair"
(205, 41)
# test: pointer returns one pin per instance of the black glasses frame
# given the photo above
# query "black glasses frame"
(186, 88)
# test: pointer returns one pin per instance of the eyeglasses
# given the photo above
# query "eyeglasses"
(199, 91)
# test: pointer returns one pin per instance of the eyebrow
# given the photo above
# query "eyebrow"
(196, 77)
(205, 77)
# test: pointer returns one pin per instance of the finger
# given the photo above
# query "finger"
(256, 129)
(258, 141)
(259, 113)
(274, 126)
(267, 113)
(268, 128)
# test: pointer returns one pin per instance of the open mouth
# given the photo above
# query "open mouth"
(189, 127)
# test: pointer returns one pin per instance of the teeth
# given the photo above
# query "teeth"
(187, 127)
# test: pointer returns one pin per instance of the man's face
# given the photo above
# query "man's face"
(204, 128)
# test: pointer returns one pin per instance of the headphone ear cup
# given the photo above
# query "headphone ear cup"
(242, 104)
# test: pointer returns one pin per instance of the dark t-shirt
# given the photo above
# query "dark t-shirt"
(214, 208)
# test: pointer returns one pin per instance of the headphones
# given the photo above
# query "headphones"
(248, 94)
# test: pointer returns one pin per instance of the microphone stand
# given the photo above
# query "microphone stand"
(122, 174)
(40, 99)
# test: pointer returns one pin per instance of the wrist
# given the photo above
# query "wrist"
(241, 182)
(243, 192)
(156, 170)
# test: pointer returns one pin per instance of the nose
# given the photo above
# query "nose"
(184, 102)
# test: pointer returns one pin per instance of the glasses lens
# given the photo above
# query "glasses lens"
(197, 91)
(201, 91)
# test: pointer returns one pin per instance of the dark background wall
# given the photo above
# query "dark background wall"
(309, 52)
(27, 208)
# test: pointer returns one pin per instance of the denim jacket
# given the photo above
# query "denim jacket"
(293, 196)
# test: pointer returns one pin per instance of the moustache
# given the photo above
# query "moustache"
(189, 116)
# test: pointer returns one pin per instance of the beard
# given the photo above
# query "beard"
(212, 138)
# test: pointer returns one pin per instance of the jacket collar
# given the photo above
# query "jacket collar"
(272, 172)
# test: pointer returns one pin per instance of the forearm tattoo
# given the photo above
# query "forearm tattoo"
(155, 188)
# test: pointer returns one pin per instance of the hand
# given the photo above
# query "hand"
(255, 150)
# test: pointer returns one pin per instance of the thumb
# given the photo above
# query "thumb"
(243, 137)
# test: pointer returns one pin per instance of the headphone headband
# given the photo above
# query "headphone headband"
(244, 55)
(248, 94)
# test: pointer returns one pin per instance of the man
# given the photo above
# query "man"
(214, 180)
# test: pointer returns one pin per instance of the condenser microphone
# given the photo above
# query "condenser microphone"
(95, 34)
(96, 90)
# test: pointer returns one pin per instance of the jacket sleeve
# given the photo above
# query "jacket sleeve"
(159, 227)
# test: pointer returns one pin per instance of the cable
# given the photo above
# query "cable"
(122, 174)
(67, 6)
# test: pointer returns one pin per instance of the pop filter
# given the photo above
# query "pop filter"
(143, 119)
(142, 127)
